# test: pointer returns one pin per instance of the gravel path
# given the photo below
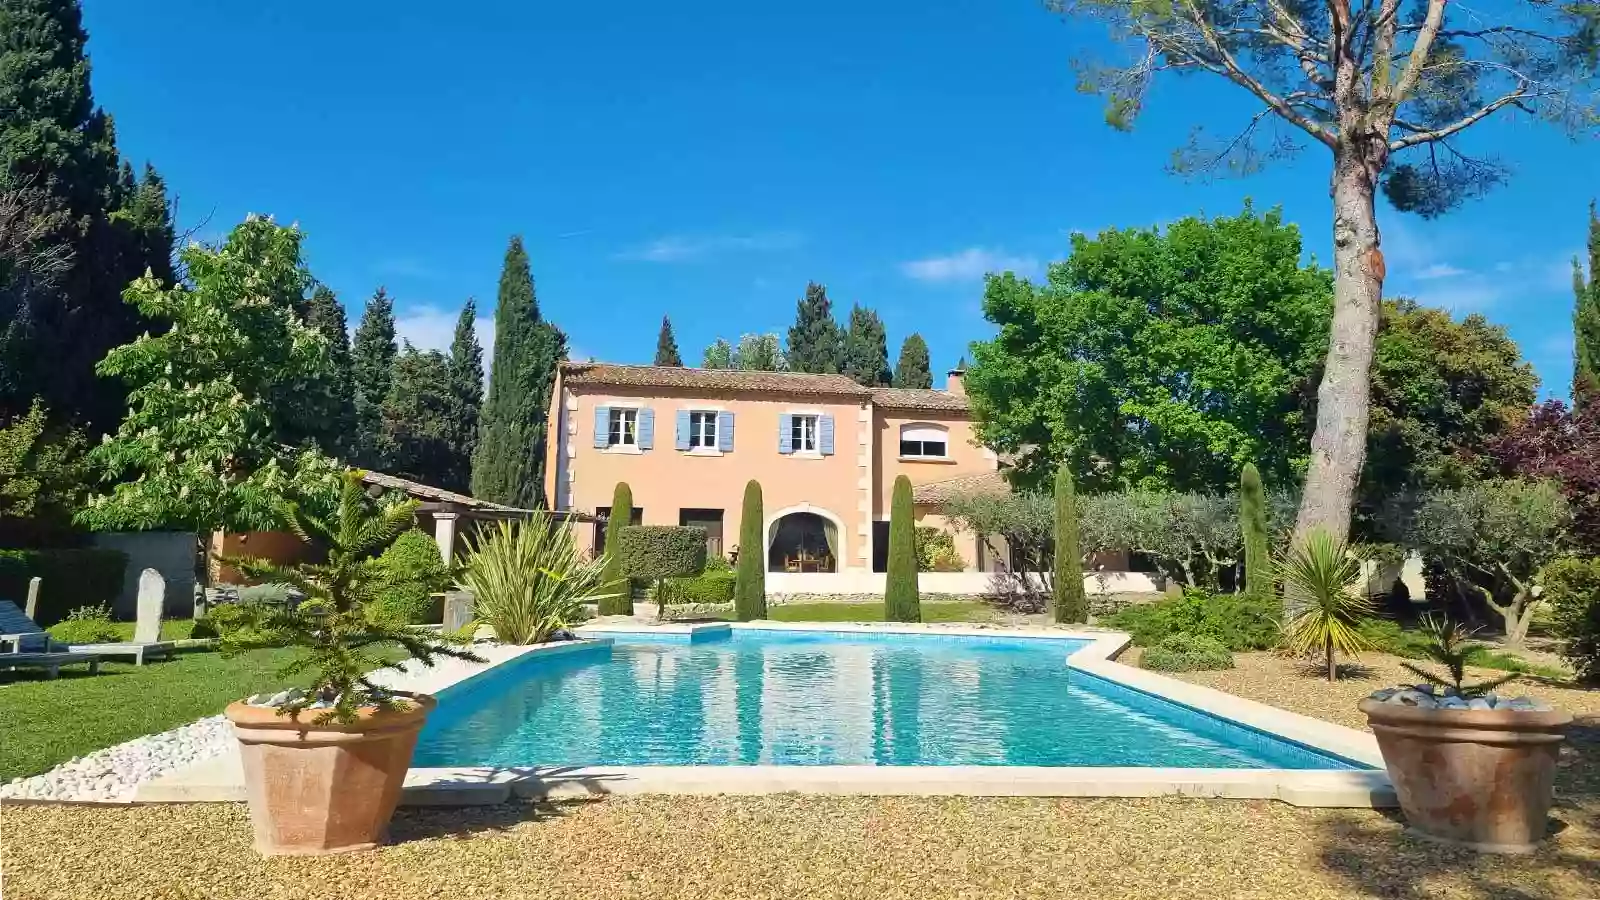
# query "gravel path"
(112, 774)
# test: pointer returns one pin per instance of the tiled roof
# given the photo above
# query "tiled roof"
(976, 483)
(610, 375)
(428, 492)
(908, 398)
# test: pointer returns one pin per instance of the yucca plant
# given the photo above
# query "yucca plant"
(529, 579)
(339, 644)
(1322, 579)
(1452, 646)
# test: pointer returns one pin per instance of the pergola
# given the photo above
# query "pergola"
(443, 512)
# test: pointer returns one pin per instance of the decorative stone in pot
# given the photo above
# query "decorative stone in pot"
(325, 788)
(1475, 772)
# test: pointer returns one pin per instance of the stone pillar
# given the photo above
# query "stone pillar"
(32, 609)
(152, 602)
(444, 534)
(457, 611)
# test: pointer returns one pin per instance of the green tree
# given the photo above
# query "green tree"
(466, 388)
(42, 480)
(509, 465)
(372, 357)
(901, 601)
(913, 371)
(815, 342)
(1253, 531)
(418, 425)
(1068, 603)
(718, 356)
(1586, 319)
(325, 315)
(759, 353)
(667, 346)
(201, 446)
(866, 349)
(750, 583)
(1386, 89)
(1156, 359)
(618, 596)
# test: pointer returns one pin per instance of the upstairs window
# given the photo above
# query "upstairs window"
(803, 434)
(703, 430)
(924, 442)
(624, 428)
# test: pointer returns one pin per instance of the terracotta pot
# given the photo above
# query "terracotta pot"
(319, 789)
(1474, 778)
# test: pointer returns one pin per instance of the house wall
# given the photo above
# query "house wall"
(665, 480)
(965, 457)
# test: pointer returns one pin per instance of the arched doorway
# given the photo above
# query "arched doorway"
(803, 541)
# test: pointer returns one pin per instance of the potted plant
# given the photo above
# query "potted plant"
(1470, 768)
(324, 766)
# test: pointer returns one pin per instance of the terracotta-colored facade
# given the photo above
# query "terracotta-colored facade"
(688, 440)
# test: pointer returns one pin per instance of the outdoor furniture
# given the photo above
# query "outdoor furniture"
(50, 662)
(25, 635)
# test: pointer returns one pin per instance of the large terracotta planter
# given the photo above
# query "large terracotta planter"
(318, 789)
(1474, 778)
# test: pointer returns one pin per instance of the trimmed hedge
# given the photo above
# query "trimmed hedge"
(619, 590)
(650, 552)
(1237, 621)
(1572, 587)
(71, 578)
(409, 573)
(750, 585)
(1067, 601)
(1187, 653)
(900, 597)
(710, 588)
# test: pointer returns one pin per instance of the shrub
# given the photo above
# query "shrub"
(932, 545)
(750, 586)
(1572, 588)
(618, 592)
(69, 578)
(713, 586)
(245, 624)
(1322, 581)
(86, 625)
(1067, 599)
(900, 600)
(408, 573)
(1253, 531)
(1389, 636)
(658, 552)
(1187, 653)
(528, 579)
(1238, 621)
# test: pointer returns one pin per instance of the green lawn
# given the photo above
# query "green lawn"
(932, 611)
(171, 629)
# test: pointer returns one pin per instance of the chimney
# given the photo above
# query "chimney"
(952, 380)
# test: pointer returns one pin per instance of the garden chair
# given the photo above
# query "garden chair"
(23, 644)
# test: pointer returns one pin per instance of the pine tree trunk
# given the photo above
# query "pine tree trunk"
(1339, 445)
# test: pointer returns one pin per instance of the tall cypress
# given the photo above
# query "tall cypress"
(667, 346)
(901, 601)
(866, 349)
(1586, 320)
(1067, 600)
(372, 356)
(912, 371)
(815, 344)
(325, 315)
(1253, 530)
(508, 467)
(466, 389)
(750, 582)
(620, 601)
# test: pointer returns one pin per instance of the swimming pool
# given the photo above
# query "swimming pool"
(788, 698)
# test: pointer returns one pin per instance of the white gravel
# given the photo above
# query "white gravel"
(111, 775)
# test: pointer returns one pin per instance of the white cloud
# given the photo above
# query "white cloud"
(1439, 270)
(684, 248)
(970, 264)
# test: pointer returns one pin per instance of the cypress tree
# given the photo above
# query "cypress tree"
(815, 344)
(417, 428)
(337, 436)
(1586, 320)
(667, 346)
(750, 583)
(508, 466)
(372, 356)
(1253, 528)
(1067, 599)
(866, 349)
(912, 371)
(621, 601)
(901, 602)
(466, 391)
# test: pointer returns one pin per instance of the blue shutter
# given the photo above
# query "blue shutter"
(647, 428)
(683, 429)
(785, 423)
(602, 426)
(825, 434)
(725, 432)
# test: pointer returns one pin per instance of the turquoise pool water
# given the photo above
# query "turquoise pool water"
(796, 699)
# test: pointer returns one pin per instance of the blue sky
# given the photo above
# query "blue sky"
(706, 158)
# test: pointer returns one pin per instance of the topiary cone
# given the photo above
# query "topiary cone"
(750, 583)
(620, 603)
(901, 602)
(1067, 599)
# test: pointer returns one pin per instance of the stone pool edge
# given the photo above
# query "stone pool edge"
(220, 779)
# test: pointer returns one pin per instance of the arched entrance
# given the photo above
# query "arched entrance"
(805, 540)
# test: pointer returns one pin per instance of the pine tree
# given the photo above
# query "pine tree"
(667, 346)
(1253, 529)
(620, 603)
(1586, 320)
(508, 466)
(466, 392)
(912, 371)
(815, 344)
(372, 356)
(866, 349)
(750, 582)
(418, 432)
(326, 316)
(901, 602)
(1067, 599)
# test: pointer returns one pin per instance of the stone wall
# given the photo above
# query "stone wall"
(172, 553)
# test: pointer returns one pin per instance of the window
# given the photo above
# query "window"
(624, 428)
(924, 442)
(803, 434)
(702, 431)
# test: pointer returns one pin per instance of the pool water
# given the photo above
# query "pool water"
(798, 699)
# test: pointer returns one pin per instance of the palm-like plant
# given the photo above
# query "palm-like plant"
(529, 579)
(1323, 580)
(1452, 646)
(340, 646)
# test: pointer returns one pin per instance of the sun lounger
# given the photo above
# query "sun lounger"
(23, 644)
(51, 663)
(130, 649)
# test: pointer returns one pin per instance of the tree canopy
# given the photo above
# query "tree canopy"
(815, 340)
(466, 383)
(912, 370)
(372, 369)
(336, 433)
(866, 349)
(667, 346)
(753, 353)
(1586, 319)
(418, 419)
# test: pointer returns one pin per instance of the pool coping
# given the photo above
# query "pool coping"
(221, 778)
